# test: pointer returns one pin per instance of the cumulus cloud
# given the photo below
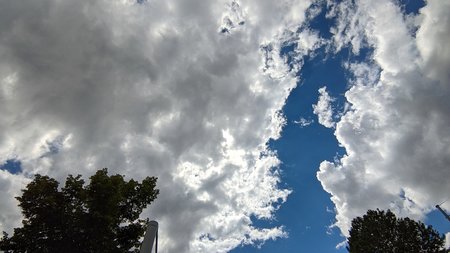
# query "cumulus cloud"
(188, 91)
(396, 130)
(324, 109)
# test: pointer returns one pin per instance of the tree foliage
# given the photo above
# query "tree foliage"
(100, 217)
(380, 231)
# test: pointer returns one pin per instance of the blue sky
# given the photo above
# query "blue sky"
(308, 213)
(269, 124)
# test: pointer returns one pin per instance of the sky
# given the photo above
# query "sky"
(269, 124)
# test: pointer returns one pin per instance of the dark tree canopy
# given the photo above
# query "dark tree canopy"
(380, 231)
(100, 217)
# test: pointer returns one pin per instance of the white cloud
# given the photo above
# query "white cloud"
(323, 109)
(10, 185)
(364, 73)
(308, 41)
(349, 24)
(341, 245)
(302, 122)
(152, 89)
(396, 130)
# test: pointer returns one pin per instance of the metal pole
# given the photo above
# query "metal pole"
(443, 212)
(149, 238)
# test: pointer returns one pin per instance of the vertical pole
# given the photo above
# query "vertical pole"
(149, 238)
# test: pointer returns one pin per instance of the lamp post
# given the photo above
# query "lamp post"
(151, 235)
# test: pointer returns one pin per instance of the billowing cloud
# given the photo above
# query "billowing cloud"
(324, 109)
(396, 131)
(188, 91)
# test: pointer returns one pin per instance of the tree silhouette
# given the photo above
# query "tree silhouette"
(380, 231)
(100, 217)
